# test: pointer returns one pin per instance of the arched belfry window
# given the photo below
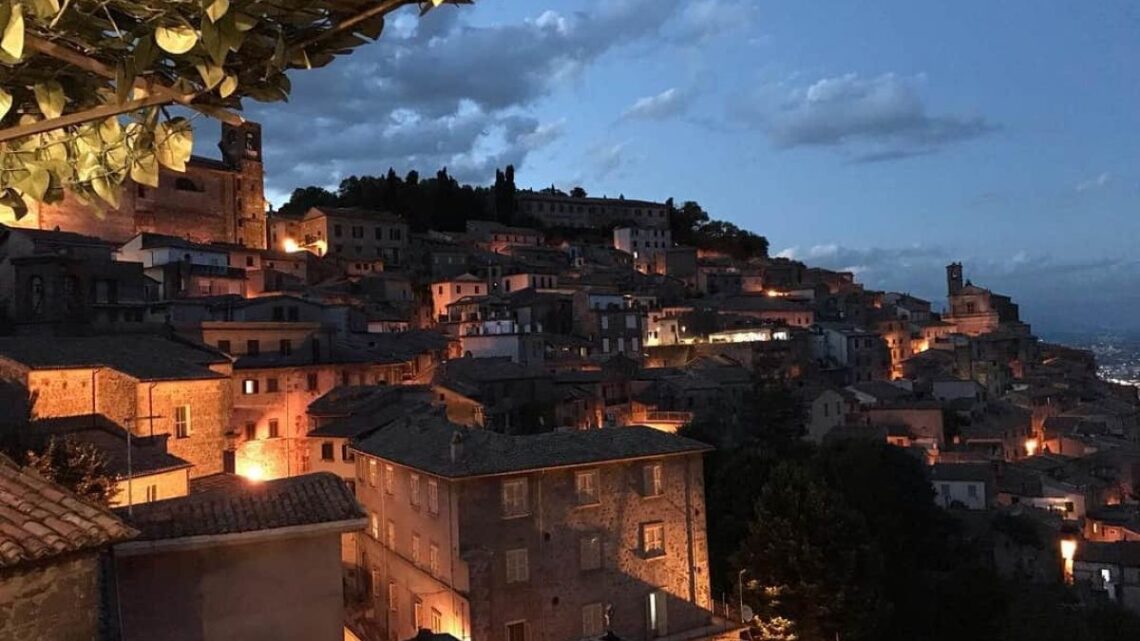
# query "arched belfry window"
(36, 295)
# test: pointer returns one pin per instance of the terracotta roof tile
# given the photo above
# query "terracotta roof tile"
(39, 520)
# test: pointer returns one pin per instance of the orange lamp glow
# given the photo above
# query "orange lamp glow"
(290, 245)
(254, 472)
(1031, 446)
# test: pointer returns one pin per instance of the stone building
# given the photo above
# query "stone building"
(558, 210)
(355, 234)
(975, 310)
(211, 201)
(51, 586)
(649, 247)
(492, 537)
(147, 384)
(236, 559)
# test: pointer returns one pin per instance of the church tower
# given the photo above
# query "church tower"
(954, 278)
(241, 150)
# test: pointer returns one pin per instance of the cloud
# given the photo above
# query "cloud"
(1055, 293)
(703, 20)
(607, 159)
(1095, 183)
(670, 102)
(440, 91)
(870, 119)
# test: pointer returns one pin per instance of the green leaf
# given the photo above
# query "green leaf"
(12, 42)
(216, 9)
(211, 74)
(50, 98)
(177, 39)
(214, 42)
(173, 143)
(244, 21)
(144, 170)
(107, 189)
(145, 53)
(228, 86)
(5, 102)
(37, 182)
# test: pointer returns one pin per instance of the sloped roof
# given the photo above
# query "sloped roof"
(228, 504)
(426, 445)
(145, 357)
(40, 520)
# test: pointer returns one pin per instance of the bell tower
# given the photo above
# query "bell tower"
(241, 151)
(953, 278)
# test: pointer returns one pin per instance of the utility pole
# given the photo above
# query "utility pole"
(130, 468)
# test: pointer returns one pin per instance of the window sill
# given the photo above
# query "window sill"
(512, 517)
(586, 506)
(652, 556)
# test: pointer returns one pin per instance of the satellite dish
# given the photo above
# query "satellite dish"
(746, 613)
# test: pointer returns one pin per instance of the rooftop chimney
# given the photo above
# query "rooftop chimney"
(456, 446)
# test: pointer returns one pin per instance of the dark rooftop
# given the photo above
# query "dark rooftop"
(227, 504)
(426, 445)
(148, 453)
(40, 520)
(148, 358)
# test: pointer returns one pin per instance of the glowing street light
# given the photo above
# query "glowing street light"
(290, 246)
(254, 472)
(1031, 446)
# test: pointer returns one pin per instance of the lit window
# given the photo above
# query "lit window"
(436, 620)
(653, 539)
(593, 624)
(389, 479)
(374, 525)
(433, 559)
(417, 614)
(391, 534)
(393, 596)
(373, 473)
(586, 486)
(658, 620)
(249, 386)
(652, 480)
(590, 552)
(515, 499)
(518, 567)
(182, 421)
(416, 549)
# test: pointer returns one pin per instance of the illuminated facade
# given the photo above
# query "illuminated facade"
(478, 534)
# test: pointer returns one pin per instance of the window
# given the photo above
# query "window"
(327, 451)
(658, 619)
(393, 596)
(251, 431)
(374, 525)
(414, 489)
(375, 582)
(311, 381)
(346, 454)
(391, 534)
(249, 386)
(271, 385)
(652, 480)
(338, 231)
(605, 322)
(593, 620)
(293, 313)
(357, 231)
(151, 493)
(389, 479)
(416, 549)
(373, 473)
(433, 559)
(630, 321)
(606, 345)
(433, 496)
(652, 539)
(518, 566)
(586, 487)
(182, 421)
(224, 346)
(274, 430)
(515, 499)
(590, 552)
(417, 614)
(436, 620)
(278, 313)
(516, 631)
(286, 346)
(972, 491)
(252, 347)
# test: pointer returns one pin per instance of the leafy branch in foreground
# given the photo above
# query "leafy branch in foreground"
(84, 83)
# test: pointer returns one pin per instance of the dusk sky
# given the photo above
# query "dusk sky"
(885, 137)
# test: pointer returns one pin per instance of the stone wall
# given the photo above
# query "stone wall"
(57, 601)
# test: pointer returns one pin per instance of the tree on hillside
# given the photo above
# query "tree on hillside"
(577, 192)
(86, 82)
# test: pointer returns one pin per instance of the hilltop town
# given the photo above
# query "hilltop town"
(346, 421)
